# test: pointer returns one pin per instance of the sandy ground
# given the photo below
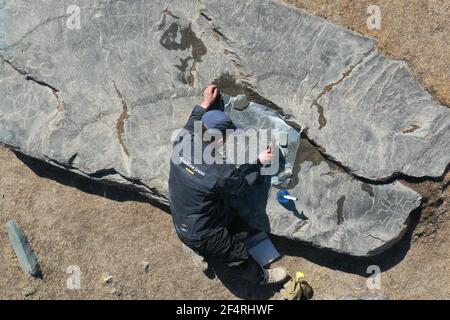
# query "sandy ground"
(72, 221)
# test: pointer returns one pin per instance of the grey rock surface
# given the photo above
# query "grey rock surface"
(335, 210)
(396, 127)
(25, 254)
(366, 111)
(104, 101)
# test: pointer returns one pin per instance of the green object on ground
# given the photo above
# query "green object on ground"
(25, 254)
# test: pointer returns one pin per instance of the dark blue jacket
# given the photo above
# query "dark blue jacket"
(198, 193)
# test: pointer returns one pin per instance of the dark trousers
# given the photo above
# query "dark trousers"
(227, 245)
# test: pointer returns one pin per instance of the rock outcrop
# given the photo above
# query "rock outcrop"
(335, 210)
(104, 99)
(366, 111)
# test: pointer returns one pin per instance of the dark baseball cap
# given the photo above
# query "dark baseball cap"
(216, 119)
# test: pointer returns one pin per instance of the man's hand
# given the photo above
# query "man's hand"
(266, 156)
(209, 96)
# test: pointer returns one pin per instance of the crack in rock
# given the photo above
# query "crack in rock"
(27, 76)
(120, 125)
(340, 208)
(413, 127)
(59, 107)
(328, 88)
(33, 30)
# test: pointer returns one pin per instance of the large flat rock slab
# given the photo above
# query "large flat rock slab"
(335, 210)
(105, 100)
(366, 111)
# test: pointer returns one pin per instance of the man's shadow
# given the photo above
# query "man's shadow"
(240, 287)
(351, 264)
